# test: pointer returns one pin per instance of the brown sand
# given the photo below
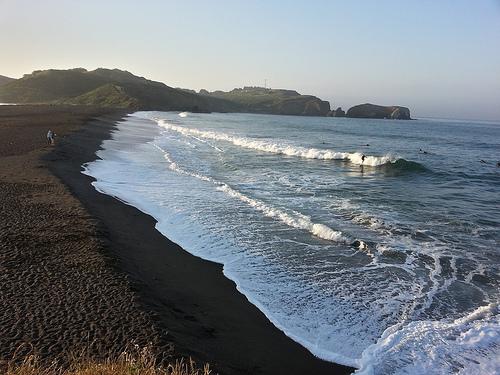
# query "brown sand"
(58, 294)
(93, 270)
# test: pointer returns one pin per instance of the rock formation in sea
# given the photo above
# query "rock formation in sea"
(377, 111)
(121, 89)
(339, 112)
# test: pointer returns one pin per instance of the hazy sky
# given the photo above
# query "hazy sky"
(439, 57)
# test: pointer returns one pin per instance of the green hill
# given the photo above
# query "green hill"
(104, 87)
(108, 95)
(122, 89)
(273, 101)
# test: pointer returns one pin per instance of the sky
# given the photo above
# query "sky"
(440, 58)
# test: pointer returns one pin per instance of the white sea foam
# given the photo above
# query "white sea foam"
(295, 220)
(336, 303)
(292, 219)
(183, 114)
(281, 149)
(471, 344)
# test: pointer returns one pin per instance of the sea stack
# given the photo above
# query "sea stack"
(380, 112)
(339, 112)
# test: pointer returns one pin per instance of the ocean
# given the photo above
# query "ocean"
(388, 263)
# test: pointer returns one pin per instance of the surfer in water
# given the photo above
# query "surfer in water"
(363, 157)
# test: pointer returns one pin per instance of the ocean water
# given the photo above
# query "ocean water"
(390, 264)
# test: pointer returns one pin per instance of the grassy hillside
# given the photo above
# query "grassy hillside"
(274, 101)
(122, 89)
(49, 85)
(104, 87)
(108, 95)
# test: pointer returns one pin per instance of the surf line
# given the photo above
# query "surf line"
(281, 149)
(295, 219)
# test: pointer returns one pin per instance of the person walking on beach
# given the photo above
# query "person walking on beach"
(50, 137)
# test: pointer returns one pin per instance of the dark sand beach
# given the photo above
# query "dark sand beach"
(58, 293)
(79, 268)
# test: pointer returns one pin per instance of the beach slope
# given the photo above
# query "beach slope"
(131, 283)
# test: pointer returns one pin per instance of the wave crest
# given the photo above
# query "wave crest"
(282, 149)
(292, 219)
(404, 166)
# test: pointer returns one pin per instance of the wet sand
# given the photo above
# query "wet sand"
(82, 266)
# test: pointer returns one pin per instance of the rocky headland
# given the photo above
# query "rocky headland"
(272, 101)
(114, 88)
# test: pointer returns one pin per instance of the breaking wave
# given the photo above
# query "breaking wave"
(283, 149)
(401, 166)
(417, 296)
(469, 343)
(292, 219)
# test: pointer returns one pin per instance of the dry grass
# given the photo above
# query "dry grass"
(132, 362)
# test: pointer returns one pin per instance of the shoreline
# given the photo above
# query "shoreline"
(211, 320)
(81, 268)
(58, 294)
(172, 231)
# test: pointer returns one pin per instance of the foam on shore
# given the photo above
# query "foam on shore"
(292, 219)
(377, 308)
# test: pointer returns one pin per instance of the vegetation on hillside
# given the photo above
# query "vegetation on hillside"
(122, 89)
(108, 95)
(79, 86)
(275, 101)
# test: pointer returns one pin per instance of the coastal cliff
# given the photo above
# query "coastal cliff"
(272, 101)
(368, 110)
(116, 88)
(121, 89)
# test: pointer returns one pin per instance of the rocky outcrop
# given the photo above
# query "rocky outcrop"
(118, 88)
(400, 113)
(339, 112)
(380, 112)
(272, 101)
